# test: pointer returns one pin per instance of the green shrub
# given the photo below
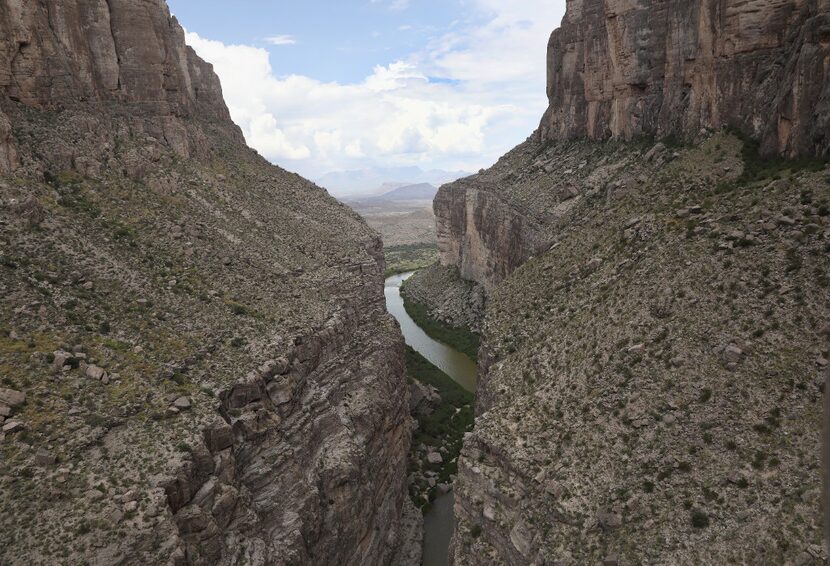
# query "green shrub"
(700, 520)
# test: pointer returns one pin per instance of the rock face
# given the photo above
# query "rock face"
(120, 51)
(129, 55)
(621, 418)
(480, 234)
(200, 338)
(623, 69)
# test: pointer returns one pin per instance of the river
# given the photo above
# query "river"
(439, 521)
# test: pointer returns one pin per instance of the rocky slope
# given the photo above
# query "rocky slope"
(651, 386)
(657, 315)
(197, 366)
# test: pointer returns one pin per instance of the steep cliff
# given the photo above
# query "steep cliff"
(623, 69)
(197, 366)
(656, 330)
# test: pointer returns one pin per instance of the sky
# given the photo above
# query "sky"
(334, 85)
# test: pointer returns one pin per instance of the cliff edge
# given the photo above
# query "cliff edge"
(655, 341)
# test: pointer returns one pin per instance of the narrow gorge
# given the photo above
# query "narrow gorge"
(200, 362)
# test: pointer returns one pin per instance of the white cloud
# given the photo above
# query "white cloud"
(281, 40)
(492, 98)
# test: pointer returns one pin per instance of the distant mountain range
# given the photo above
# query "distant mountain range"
(421, 191)
(380, 180)
(394, 196)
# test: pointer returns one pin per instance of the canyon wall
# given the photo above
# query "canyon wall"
(655, 340)
(623, 69)
(197, 363)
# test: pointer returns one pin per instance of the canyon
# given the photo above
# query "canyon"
(197, 364)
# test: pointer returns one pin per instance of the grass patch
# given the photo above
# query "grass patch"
(459, 338)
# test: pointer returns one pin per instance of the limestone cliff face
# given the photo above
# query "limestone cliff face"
(60, 52)
(199, 339)
(487, 232)
(479, 233)
(620, 69)
(127, 55)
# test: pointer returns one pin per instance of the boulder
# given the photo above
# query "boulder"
(44, 458)
(218, 437)
(435, 458)
(95, 372)
(13, 426)
(61, 359)
(182, 403)
(732, 354)
(12, 398)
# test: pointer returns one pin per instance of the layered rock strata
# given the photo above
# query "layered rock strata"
(626, 69)
(210, 375)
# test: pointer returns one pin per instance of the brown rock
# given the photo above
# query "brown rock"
(44, 458)
(609, 520)
(12, 398)
(182, 403)
(13, 426)
(95, 372)
(218, 437)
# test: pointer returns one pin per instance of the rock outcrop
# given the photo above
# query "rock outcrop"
(625, 69)
(200, 339)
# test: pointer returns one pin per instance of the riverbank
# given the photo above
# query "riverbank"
(438, 439)
(443, 381)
